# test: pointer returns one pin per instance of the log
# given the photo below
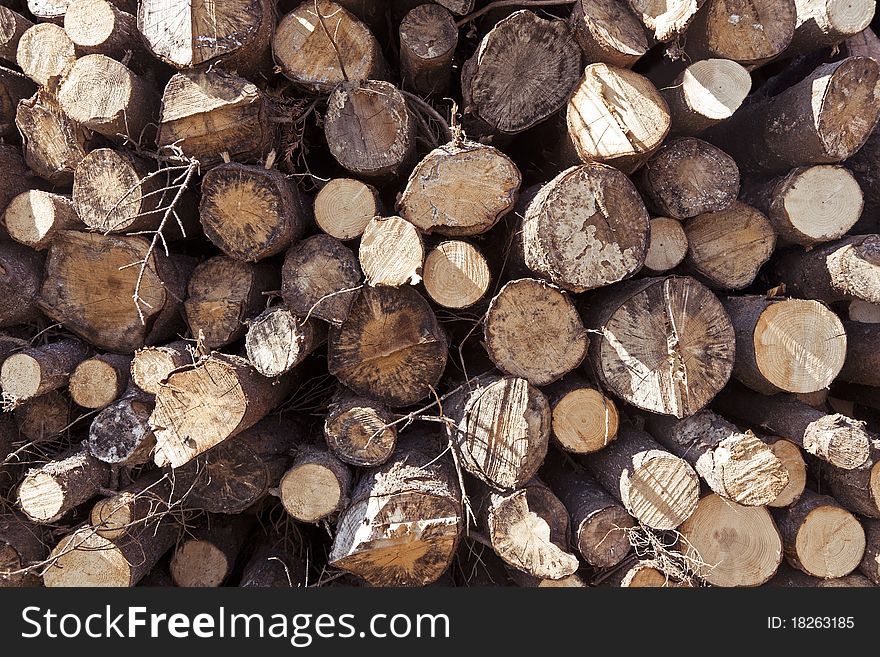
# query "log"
(665, 345)
(460, 7)
(823, 23)
(208, 113)
(529, 529)
(107, 97)
(370, 130)
(608, 31)
(100, 380)
(391, 252)
(583, 419)
(404, 521)
(21, 274)
(666, 20)
(788, 345)
(22, 551)
(706, 93)
(726, 249)
(657, 488)
(820, 537)
(870, 563)
(316, 486)
(865, 166)
(53, 144)
(793, 578)
(688, 177)
(44, 53)
(14, 87)
(502, 429)
(491, 83)
(9, 470)
(309, 56)
(12, 26)
(202, 405)
(236, 474)
(121, 434)
(48, 492)
(732, 545)
(390, 348)
(233, 34)
(151, 365)
(823, 119)
(428, 38)
(358, 430)
(736, 465)
(584, 229)
(600, 525)
(863, 312)
(848, 268)
(858, 489)
(85, 558)
(344, 207)
(456, 274)
(34, 217)
(133, 507)
(532, 330)
(860, 364)
(809, 205)
(250, 212)
(667, 245)
(16, 180)
(320, 278)
(222, 293)
(277, 340)
(461, 188)
(750, 32)
(97, 27)
(37, 370)
(274, 565)
(48, 10)
(647, 573)
(792, 460)
(43, 418)
(614, 117)
(837, 439)
(207, 557)
(89, 287)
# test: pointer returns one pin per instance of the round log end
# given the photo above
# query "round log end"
(456, 274)
(344, 207)
(830, 542)
(199, 564)
(793, 461)
(670, 474)
(84, 558)
(585, 421)
(668, 245)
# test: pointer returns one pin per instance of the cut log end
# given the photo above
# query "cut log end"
(316, 486)
(830, 542)
(668, 245)
(792, 460)
(344, 207)
(41, 496)
(359, 431)
(608, 31)
(199, 563)
(86, 558)
(456, 274)
(705, 93)
(391, 252)
(584, 420)
(34, 217)
(671, 474)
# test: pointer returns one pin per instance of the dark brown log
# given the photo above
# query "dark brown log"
(870, 564)
(44, 53)
(370, 130)
(37, 370)
(202, 405)
(532, 330)
(48, 492)
(736, 465)
(133, 507)
(12, 26)
(34, 217)
(502, 429)
(456, 274)
(14, 87)
(151, 365)
(21, 274)
(792, 459)
(667, 246)
(493, 88)
(392, 252)
(404, 522)
(100, 380)
(22, 552)
(865, 166)
(823, 119)
(665, 345)
(344, 206)
(860, 365)
(250, 212)
(846, 269)
(390, 348)
(705, 93)
(838, 439)
(90, 284)
(688, 177)
(586, 228)
(43, 418)
(320, 49)
(809, 205)
(359, 430)
(121, 433)
(857, 489)
(320, 278)
(222, 293)
(584, 420)
(608, 31)
(428, 38)
(751, 32)
(820, 537)
(274, 564)
(234, 34)
(719, 524)
(97, 27)
(207, 557)
(461, 188)
(316, 486)
(208, 113)
(277, 340)
(9, 470)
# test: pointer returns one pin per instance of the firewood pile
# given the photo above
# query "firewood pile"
(401, 293)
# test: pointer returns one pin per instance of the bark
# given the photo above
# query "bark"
(456, 274)
(34, 217)
(21, 551)
(277, 341)
(12, 26)
(14, 87)
(428, 38)
(392, 252)
(48, 492)
(870, 564)
(344, 207)
(37, 370)
(21, 274)
(16, 179)
(274, 564)
(860, 366)
(358, 430)
(858, 489)
(793, 578)
(316, 486)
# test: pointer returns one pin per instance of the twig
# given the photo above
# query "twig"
(430, 111)
(332, 42)
(510, 3)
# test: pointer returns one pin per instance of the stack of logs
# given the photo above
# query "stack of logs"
(346, 292)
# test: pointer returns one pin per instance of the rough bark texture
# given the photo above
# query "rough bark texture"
(870, 564)
(48, 492)
(21, 548)
(857, 489)
(14, 87)
(860, 366)
(21, 274)
(274, 564)
(12, 26)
